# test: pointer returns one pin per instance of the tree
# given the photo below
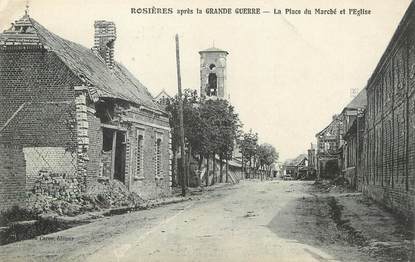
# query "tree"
(248, 144)
(211, 128)
(193, 126)
(267, 156)
(222, 128)
(229, 131)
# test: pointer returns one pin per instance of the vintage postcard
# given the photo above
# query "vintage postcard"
(273, 130)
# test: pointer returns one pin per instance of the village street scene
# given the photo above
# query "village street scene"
(140, 138)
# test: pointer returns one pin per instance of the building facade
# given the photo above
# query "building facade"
(388, 159)
(328, 152)
(373, 138)
(297, 168)
(353, 125)
(76, 114)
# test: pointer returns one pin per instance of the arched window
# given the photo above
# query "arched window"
(212, 85)
(211, 66)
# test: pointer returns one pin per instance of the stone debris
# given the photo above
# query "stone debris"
(56, 193)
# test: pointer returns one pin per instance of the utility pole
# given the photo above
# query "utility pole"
(179, 94)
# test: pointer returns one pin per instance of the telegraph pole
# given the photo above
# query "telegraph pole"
(179, 94)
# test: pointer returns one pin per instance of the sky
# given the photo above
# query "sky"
(287, 75)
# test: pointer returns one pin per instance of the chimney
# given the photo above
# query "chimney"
(104, 39)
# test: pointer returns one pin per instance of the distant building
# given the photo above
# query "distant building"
(312, 157)
(353, 119)
(328, 155)
(298, 167)
(162, 98)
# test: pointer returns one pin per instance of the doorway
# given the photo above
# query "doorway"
(114, 142)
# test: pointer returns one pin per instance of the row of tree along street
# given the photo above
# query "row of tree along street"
(213, 132)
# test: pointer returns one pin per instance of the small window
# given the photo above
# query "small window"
(212, 66)
(157, 158)
(139, 156)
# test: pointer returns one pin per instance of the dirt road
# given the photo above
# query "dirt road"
(251, 221)
(233, 227)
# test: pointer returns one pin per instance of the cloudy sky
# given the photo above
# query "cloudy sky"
(287, 74)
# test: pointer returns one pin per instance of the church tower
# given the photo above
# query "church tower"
(213, 73)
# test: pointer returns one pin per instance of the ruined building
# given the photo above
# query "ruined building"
(77, 115)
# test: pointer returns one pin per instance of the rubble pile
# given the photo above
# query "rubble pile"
(112, 193)
(56, 185)
(338, 185)
(55, 193)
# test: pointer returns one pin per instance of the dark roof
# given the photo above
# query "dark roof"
(213, 50)
(41, 124)
(360, 101)
(296, 161)
(83, 62)
(329, 126)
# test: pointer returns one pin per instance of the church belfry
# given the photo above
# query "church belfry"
(213, 73)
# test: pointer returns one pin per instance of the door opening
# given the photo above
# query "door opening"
(114, 141)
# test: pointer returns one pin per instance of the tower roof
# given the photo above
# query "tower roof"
(213, 50)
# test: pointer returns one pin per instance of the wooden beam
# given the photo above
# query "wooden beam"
(114, 127)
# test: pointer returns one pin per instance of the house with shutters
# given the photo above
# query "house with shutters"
(73, 112)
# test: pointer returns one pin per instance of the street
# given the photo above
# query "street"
(235, 226)
(251, 221)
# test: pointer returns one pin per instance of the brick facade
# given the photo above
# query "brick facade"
(152, 128)
(387, 172)
(12, 176)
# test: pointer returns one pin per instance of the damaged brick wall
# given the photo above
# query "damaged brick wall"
(94, 148)
(126, 122)
(47, 159)
(38, 102)
(82, 125)
(147, 184)
(32, 76)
